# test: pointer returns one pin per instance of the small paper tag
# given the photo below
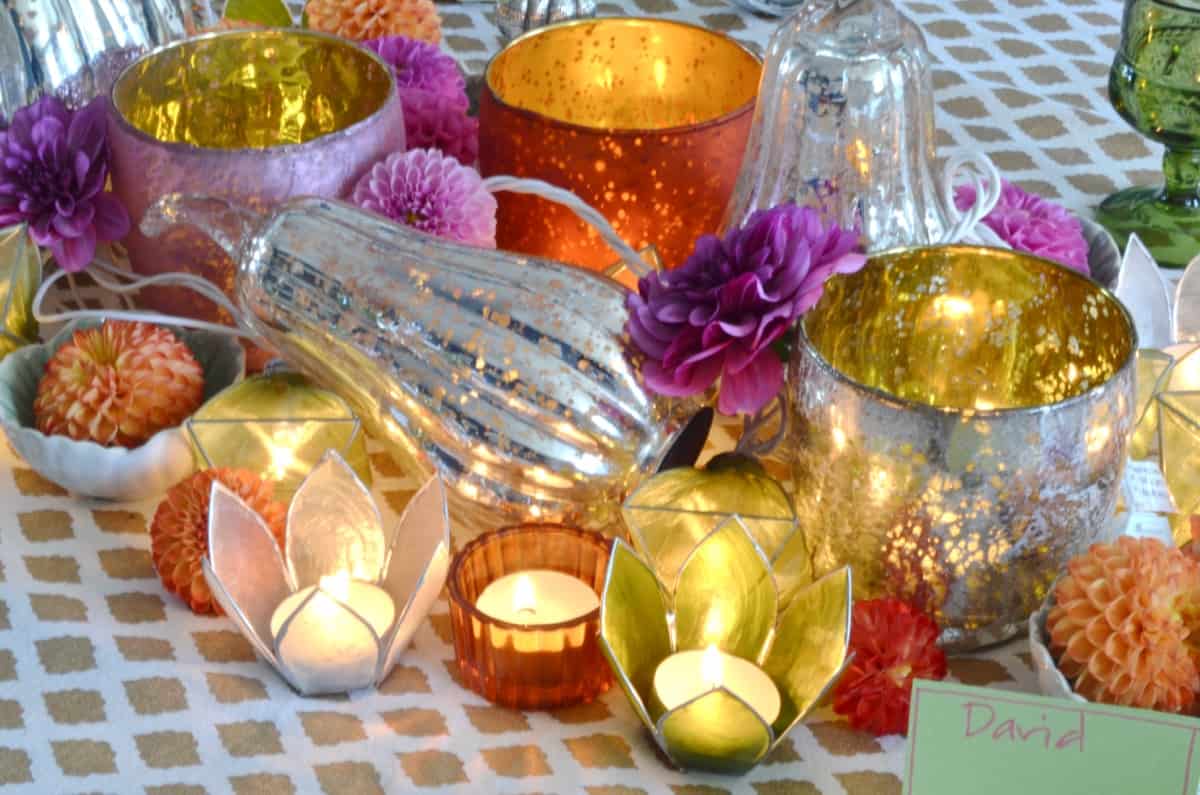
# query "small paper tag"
(1150, 525)
(994, 742)
(1145, 488)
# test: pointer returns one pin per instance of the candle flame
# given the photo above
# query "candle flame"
(337, 585)
(711, 667)
(281, 461)
(524, 598)
(953, 307)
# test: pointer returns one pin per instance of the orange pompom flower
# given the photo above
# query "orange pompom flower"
(893, 644)
(1121, 625)
(374, 19)
(179, 532)
(118, 384)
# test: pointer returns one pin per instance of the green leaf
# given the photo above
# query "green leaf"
(272, 13)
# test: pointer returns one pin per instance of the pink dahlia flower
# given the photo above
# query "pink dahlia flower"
(432, 192)
(717, 315)
(433, 122)
(1028, 222)
(421, 66)
(53, 168)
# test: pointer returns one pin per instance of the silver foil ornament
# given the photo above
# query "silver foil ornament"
(515, 17)
(76, 48)
(510, 375)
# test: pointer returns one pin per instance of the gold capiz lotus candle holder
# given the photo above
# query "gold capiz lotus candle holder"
(277, 424)
(725, 602)
(321, 618)
(1168, 430)
(669, 514)
(959, 426)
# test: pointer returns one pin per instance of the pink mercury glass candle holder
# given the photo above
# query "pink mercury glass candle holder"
(254, 116)
(525, 612)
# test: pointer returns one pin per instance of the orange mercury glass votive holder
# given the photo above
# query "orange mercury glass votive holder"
(514, 663)
(644, 119)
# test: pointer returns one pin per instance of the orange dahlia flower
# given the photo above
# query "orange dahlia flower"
(374, 19)
(118, 384)
(179, 531)
(1121, 626)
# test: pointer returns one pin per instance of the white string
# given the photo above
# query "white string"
(100, 266)
(589, 214)
(984, 177)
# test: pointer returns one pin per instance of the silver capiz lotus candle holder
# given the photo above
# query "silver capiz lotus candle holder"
(319, 613)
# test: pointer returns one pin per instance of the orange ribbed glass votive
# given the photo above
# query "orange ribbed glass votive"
(645, 119)
(515, 663)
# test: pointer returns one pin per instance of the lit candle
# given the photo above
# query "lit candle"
(687, 675)
(325, 639)
(537, 597)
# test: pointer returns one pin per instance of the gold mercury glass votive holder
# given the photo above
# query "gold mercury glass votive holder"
(960, 421)
(506, 650)
(644, 119)
(253, 116)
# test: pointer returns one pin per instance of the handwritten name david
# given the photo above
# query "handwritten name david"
(983, 721)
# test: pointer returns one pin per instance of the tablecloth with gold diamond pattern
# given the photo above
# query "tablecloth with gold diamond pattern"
(108, 684)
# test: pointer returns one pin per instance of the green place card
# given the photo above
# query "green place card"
(996, 742)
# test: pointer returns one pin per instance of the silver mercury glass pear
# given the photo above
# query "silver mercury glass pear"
(844, 123)
(76, 48)
(509, 375)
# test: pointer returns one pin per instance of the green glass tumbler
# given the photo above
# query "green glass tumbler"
(1154, 85)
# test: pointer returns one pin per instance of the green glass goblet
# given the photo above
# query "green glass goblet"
(1155, 85)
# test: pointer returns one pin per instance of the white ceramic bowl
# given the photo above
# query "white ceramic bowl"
(86, 468)
(1104, 258)
(1050, 680)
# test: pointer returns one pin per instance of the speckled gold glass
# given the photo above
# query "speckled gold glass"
(961, 418)
(645, 119)
(254, 116)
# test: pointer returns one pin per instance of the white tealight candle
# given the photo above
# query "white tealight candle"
(325, 640)
(687, 675)
(537, 597)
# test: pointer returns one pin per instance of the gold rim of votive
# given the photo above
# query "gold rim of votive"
(573, 26)
(987, 256)
(120, 95)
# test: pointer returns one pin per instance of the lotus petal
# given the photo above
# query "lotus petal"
(717, 731)
(810, 645)
(415, 577)
(233, 611)
(245, 559)
(676, 509)
(726, 595)
(334, 527)
(633, 633)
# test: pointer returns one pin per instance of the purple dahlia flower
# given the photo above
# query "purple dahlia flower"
(433, 192)
(1028, 222)
(717, 315)
(433, 122)
(53, 168)
(421, 67)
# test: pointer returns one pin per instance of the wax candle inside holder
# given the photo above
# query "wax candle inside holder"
(525, 613)
(688, 675)
(327, 642)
